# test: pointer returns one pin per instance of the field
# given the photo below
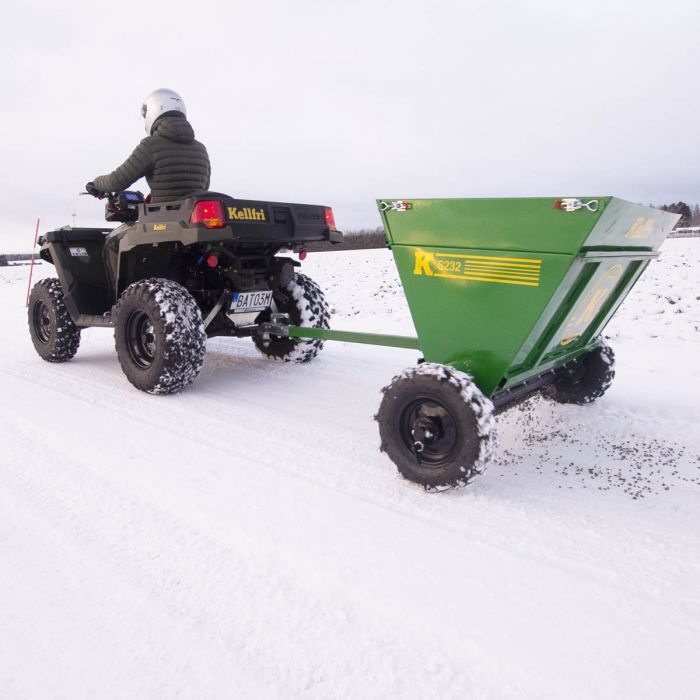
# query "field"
(246, 538)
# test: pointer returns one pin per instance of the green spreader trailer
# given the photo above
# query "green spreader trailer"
(509, 298)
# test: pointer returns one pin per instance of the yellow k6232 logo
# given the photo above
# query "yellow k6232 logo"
(479, 268)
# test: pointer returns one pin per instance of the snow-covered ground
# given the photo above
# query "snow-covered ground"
(246, 539)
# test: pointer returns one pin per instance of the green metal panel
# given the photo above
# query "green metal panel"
(472, 309)
(505, 289)
(497, 224)
(627, 225)
(593, 288)
(525, 224)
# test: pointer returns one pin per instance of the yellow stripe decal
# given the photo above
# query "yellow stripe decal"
(490, 257)
(502, 275)
(493, 266)
(487, 279)
(489, 263)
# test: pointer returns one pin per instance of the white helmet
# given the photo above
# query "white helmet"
(157, 103)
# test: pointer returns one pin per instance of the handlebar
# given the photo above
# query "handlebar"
(121, 206)
(99, 195)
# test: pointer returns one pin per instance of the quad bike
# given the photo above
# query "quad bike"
(203, 266)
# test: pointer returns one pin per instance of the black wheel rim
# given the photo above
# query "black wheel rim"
(429, 431)
(141, 339)
(41, 319)
(576, 375)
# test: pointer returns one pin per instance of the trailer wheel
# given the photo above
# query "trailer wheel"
(56, 338)
(586, 379)
(306, 306)
(436, 426)
(159, 336)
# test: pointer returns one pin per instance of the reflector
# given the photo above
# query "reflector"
(330, 219)
(210, 213)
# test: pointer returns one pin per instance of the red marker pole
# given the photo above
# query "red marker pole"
(31, 269)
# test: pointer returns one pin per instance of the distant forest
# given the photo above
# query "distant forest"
(354, 240)
(690, 213)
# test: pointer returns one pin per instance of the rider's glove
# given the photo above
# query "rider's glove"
(91, 189)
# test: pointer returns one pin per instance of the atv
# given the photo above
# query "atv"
(204, 266)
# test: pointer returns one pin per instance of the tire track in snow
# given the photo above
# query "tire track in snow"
(460, 513)
(152, 561)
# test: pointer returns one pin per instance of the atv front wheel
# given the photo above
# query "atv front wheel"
(159, 336)
(436, 426)
(586, 379)
(56, 338)
(306, 306)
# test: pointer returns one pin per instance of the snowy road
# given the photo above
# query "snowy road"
(246, 538)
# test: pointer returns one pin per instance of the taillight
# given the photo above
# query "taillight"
(209, 213)
(330, 219)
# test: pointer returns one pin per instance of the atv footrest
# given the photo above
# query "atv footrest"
(86, 320)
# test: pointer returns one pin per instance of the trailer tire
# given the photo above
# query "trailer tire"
(586, 379)
(436, 426)
(54, 335)
(159, 335)
(306, 306)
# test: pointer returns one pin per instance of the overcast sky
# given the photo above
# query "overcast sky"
(338, 103)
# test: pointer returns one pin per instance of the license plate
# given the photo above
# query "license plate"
(244, 302)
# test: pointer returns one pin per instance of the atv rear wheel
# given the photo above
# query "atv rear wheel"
(586, 379)
(54, 335)
(306, 306)
(159, 336)
(436, 426)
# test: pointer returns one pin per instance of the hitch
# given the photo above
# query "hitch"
(277, 325)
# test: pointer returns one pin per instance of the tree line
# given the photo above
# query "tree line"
(690, 214)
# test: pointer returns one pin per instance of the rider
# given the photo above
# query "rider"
(172, 161)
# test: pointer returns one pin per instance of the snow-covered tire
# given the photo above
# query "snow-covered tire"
(586, 379)
(306, 306)
(56, 338)
(436, 426)
(159, 336)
